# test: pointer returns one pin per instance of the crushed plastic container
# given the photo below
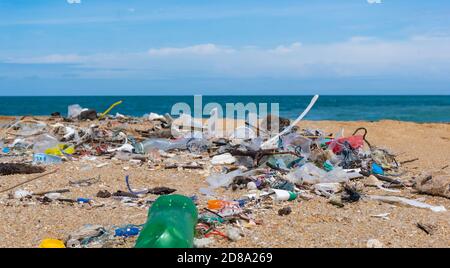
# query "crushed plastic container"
(171, 223)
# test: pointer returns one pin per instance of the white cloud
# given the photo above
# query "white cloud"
(74, 1)
(203, 49)
(358, 56)
(374, 1)
(287, 49)
(49, 59)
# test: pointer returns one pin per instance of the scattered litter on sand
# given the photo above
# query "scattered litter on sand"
(248, 179)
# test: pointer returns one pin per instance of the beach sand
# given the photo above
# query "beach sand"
(312, 223)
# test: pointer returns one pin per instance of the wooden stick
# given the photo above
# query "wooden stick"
(381, 177)
(409, 161)
(27, 181)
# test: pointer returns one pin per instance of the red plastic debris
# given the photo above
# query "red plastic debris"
(355, 142)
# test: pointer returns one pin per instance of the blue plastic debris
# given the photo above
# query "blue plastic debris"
(83, 200)
(376, 169)
(127, 231)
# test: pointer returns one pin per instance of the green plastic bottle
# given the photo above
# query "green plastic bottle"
(171, 223)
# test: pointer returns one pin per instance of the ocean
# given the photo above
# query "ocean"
(340, 108)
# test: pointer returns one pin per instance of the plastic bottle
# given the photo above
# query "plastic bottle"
(193, 144)
(46, 159)
(282, 195)
(170, 224)
(159, 144)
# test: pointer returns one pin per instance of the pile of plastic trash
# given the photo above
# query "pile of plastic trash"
(292, 165)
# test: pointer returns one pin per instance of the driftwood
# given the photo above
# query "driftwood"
(409, 161)
(437, 184)
(427, 228)
(173, 166)
(381, 177)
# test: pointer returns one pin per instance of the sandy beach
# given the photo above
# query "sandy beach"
(312, 223)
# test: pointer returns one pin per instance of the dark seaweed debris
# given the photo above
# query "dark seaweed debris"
(17, 168)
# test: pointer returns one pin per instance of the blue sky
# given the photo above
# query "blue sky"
(99, 47)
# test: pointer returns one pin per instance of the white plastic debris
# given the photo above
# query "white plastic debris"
(21, 194)
(251, 186)
(405, 201)
(120, 116)
(101, 165)
(53, 196)
(311, 174)
(203, 242)
(183, 125)
(233, 233)
(70, 132)
(124, 148)
(374, 182)
(223, 180)
(223, 159)
(74, 110)
(374, 243)
(154, 116)
(383, 216)
(327, 189)
(272, 143)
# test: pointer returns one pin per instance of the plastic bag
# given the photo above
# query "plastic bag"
(355, 142)
(311, 174)
(293, 141)
(73, 111)
(222, 180)
(44, 142)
